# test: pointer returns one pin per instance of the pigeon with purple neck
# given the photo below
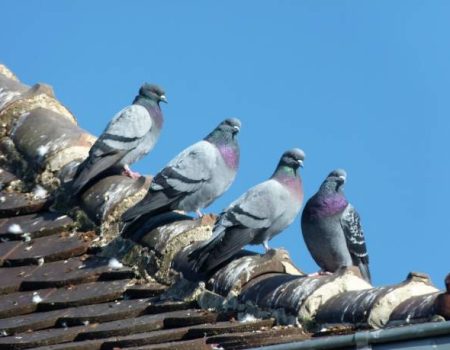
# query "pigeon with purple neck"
(130, 135)
(332, 228)
(193, 179)
(255, 217)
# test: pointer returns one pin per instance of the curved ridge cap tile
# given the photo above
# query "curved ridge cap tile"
(292, 294)
(39, 95)
(7, 73)
(442, 302)
(164, 238)
(351, 307)
(6, 96)
(48, 140)
(346, 280)
(416, 309)
(166, 241)
(10, 90)
(258, 291)
(49, 130)
(60, 159)
(230, 279)
(102, 198)
(416, 284)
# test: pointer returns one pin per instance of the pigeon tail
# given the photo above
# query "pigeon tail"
(365, 272)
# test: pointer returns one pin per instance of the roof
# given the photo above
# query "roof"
(69, 281)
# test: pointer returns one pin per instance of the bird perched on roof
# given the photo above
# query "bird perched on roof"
(130, 135)
(332, 228)
(193, 179)
(255, 217)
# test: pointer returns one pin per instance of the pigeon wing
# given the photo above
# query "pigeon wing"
(354, 235)
(185, 174)
(125, 131)
(239, 224)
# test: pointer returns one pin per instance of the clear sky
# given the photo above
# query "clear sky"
(361, 85)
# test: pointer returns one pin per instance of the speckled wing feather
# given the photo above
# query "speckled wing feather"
(183, 175)
(125, 131)
(354, 235)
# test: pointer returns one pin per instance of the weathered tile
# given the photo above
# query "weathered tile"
(40, 338)
(83, 294)
(417, 309)
(7, 249)
(300, 296)
(48, 138)
(196, 344)
(146, 290)
(134, 325)
(146, 323)
(49, 248)
(95, 344)
(146, 338)
(207, 330)
(74, 271)
(189, 317)
(442, 303)
(103, 197)
(34, 225)
(157, 306)
(277, 335)
(168, 240)
(33, 321)
(233, 276)
(6, 178)
(372, 307)
(12, 277)
(14, 203)
(104, 312)
(22, 302)
(75, 316)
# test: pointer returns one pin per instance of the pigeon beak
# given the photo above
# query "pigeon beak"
(300, 163)
(163, 98)
(342, 178)
(236, 129)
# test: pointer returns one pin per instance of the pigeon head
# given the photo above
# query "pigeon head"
(293, 158)
(290, 161)
(225, 131)
(152, 92)
(230, 125)
(335, 180)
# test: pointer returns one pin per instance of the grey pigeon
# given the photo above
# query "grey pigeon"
(332, 228)
(130, 135)
(193, 179)
(255, 217)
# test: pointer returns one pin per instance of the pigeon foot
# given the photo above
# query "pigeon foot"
(130, 173)
(320, 273)
(266, 246)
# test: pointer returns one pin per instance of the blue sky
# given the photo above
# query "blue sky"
(361, 85)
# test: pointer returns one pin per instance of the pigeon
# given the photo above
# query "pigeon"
(193, 179)
(130, 135)
(332, 229)
(255, 217)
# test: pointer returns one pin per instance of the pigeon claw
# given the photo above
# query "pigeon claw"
(130, 173)
(266, 246)
(320, 273)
